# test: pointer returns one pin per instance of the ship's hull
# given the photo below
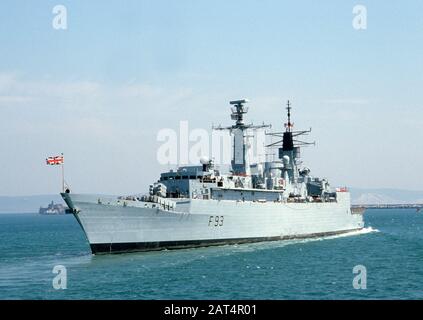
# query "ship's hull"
(113, 225)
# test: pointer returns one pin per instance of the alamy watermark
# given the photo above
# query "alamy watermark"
(60, 19)
(60, 282)
(359, 21)
(187, 147)
(360, 280)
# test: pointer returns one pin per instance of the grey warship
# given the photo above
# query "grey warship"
(196, 206)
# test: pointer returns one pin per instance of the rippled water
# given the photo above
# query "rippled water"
(391, 249)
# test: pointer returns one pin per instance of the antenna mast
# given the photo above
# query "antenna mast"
(240, 161)
(289, 125)
(288, 138)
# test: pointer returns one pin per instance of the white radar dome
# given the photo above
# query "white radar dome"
(204, 160)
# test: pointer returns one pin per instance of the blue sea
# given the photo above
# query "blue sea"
(390, 250)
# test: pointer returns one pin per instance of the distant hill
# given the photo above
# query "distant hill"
(385, 196)
(27, 204)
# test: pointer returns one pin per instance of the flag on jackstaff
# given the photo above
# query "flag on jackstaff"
(54, 161)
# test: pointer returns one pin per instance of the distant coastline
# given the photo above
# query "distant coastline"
(368, 198)
(390, 206)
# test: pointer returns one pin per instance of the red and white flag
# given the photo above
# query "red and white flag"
(54, 161)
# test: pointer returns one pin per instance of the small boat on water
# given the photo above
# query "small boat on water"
(53, 209)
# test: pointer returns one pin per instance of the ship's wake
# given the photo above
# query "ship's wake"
(283, 243)
(352, 233)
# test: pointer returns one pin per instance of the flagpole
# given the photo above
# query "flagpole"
(63, 174)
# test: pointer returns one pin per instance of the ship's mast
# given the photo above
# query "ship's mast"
(288, 140)
(289, 152)
(240, 162)
(289, 125)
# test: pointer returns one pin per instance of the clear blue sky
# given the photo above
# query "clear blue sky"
(100, 90)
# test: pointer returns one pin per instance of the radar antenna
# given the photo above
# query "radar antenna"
(240, 161)
(238, 110)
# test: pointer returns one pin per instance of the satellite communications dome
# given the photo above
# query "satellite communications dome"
(204, 160)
